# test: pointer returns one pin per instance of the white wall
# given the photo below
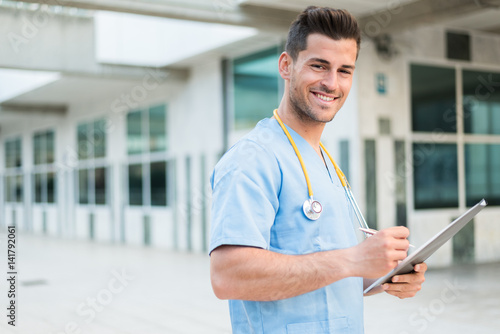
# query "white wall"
(28, 33)
(345, 127)
(196, 131)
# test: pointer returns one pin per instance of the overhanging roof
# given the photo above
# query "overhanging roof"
(276, 15)
(271, 18)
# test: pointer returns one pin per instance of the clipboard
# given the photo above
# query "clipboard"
(422, 253)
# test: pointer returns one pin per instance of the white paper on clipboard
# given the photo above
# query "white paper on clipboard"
(422, 253)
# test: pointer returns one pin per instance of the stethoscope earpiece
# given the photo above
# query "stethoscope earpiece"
(312, 209)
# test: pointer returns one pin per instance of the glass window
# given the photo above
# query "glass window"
(92, 139)
(135, 184)
(148, 126)
(19, 153)
(51, 187)
(157, 129)
(18, 188)
(481, 96)
(38, 144)
(433, 98)
(92, 185)
(44, 156)
(256, 87)
(14, 188)
(158, 183)
(43, 144)
(434, 90)
(8, 188)
(134, 132)
(49, 156)
(13, 172)
(92, 175)
(83, 143)
(152, 176)
(13, 153)
(8, 155)
(100, 185)
(38, 188)
(435, 176)
(99, 138)
(482, 177)
(83, 190)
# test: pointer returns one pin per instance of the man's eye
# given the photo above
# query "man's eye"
(318, 66)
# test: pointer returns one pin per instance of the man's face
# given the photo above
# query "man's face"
(321, 77)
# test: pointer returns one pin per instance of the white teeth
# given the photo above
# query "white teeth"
(325, 98)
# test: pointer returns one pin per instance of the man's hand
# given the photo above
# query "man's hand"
(406, 286)
(380, 253)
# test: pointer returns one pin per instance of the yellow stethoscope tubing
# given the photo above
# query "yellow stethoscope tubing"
(340, 174)
(290, 139)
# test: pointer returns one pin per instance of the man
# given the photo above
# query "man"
(282, 272)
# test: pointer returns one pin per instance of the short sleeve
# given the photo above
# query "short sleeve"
(246, 184)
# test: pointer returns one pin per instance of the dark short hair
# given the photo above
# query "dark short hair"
(334, 23)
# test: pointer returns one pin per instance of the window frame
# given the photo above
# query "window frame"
(90, 163)
(268, 51)
(45, 167)
(146, 157)
(13, 172)
(460, 137)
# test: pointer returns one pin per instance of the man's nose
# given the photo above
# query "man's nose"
(330, 81)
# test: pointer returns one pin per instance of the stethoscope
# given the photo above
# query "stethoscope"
(312, 208)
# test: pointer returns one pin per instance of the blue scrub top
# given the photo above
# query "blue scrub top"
(258, 192)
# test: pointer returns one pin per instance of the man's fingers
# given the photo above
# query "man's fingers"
(415, 278)
(407, 285)
(397, 255)
(420, 268)
(401, 244)
(401, 288)
(398, 232)
(402, 295)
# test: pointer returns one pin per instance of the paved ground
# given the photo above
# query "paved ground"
(81, 287)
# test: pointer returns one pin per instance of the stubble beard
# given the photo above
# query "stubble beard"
(303, 110)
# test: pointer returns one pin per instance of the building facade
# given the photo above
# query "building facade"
(124, 155)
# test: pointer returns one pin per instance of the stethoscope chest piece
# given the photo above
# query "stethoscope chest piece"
(312, 209)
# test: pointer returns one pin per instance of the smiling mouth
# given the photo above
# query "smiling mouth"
(324, 97)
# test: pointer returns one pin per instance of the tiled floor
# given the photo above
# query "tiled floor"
(74, 287)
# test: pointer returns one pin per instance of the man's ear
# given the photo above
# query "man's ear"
(285, 65)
